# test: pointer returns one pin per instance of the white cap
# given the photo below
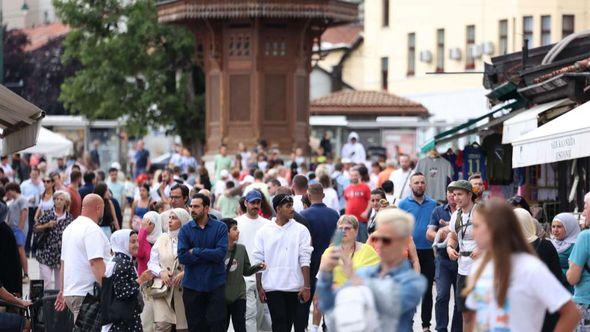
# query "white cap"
(116, 165)
(346, 161)
(224, 173)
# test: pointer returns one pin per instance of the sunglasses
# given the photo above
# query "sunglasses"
(284, 200)
(47, 181)
(383, 239)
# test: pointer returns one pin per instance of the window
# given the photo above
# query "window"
(470, 45)
(503, 37)
(385, 13)
(527, 30)
(411, 54)
(567, 25)
(545, 30)
(440, 50)
(384, 72)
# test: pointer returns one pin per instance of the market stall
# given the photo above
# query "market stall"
(19, 121)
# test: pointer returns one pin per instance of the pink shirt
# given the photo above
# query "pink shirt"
(143, 253)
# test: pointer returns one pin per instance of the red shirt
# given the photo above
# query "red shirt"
(76, 202)
(357, 198)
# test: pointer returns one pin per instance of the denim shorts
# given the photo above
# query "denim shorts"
(19, 236)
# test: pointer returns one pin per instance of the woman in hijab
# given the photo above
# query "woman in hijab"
(169, 310)
(124, 244)
(151, 229)
(564, 232)
(548, 255)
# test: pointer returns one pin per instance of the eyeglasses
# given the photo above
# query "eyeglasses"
(175, 197)
(345, 228)
(385, 240)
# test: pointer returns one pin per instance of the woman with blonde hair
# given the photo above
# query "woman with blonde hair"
(169, 309)
(49, 229)
(510, 288)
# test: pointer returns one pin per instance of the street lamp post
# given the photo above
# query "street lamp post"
(25, 9)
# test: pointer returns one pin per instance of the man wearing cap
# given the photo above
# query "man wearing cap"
(285, 246)
(461, 245)
(446, 269)
(248, 225)
(354, 150)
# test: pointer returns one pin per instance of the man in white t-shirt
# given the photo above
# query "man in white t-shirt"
(401, 178)
(299, 188)
(83, 253)
(460, 233)
(249, 224)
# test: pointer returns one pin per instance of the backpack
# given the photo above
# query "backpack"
(355, 311)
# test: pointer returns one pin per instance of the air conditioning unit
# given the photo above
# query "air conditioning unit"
(475, 51)
(455, 53)
(426, 56)
(488, 48)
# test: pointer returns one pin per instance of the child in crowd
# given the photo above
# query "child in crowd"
(237, 267)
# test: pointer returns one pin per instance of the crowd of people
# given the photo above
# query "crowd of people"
(265, 241)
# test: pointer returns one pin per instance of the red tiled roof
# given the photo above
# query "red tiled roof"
(336, 11)
(342, 35)
(374, 103)
(40, 35)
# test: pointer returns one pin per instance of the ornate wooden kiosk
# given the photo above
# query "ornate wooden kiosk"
(256, 55)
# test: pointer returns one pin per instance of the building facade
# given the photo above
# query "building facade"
(23, 14)
(410, 45)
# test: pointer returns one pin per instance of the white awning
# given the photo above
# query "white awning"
(527, 121)
(19, 121)
(51, 144)
(564, 138)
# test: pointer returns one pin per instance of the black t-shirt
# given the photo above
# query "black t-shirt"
(498, 160)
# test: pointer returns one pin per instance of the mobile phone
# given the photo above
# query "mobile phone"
(337, 238)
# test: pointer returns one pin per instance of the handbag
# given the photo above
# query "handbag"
(89, 316)
(113, 309)
(158, 288)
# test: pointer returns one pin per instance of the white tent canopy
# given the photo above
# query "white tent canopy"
(565, 137)
(51, 144)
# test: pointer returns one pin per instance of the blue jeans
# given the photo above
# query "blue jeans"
(362, 235)
(445, 277)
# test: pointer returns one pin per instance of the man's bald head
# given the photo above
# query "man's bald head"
(93, 207)
(205, 192)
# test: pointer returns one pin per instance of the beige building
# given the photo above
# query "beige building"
(408, 44)
(22, 14)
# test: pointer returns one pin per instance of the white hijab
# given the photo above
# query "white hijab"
(572, 229)
(154, 218)
(119, 244)
(184, 218)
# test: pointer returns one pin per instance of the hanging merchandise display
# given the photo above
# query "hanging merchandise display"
(474, 161)
(453, 158)
(438, 172)
(498, 160)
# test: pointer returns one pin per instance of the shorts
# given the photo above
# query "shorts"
(461, 283)
(19, 236)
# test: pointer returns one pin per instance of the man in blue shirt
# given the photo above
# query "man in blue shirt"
(322, 224)
(89, 182)
(202, 246)
(446, 269)
(421, 207)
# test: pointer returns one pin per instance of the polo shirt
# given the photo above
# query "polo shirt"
(422, 213)
(441, 212)
(204, 264)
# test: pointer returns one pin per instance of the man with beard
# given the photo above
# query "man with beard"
(248, 225)
(478, 187)
(421, 207)
(202, 246)
(461, 246)
(285, 246)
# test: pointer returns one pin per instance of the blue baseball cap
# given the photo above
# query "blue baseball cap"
(253, 195)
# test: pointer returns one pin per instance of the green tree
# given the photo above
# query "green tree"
(132, 67)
